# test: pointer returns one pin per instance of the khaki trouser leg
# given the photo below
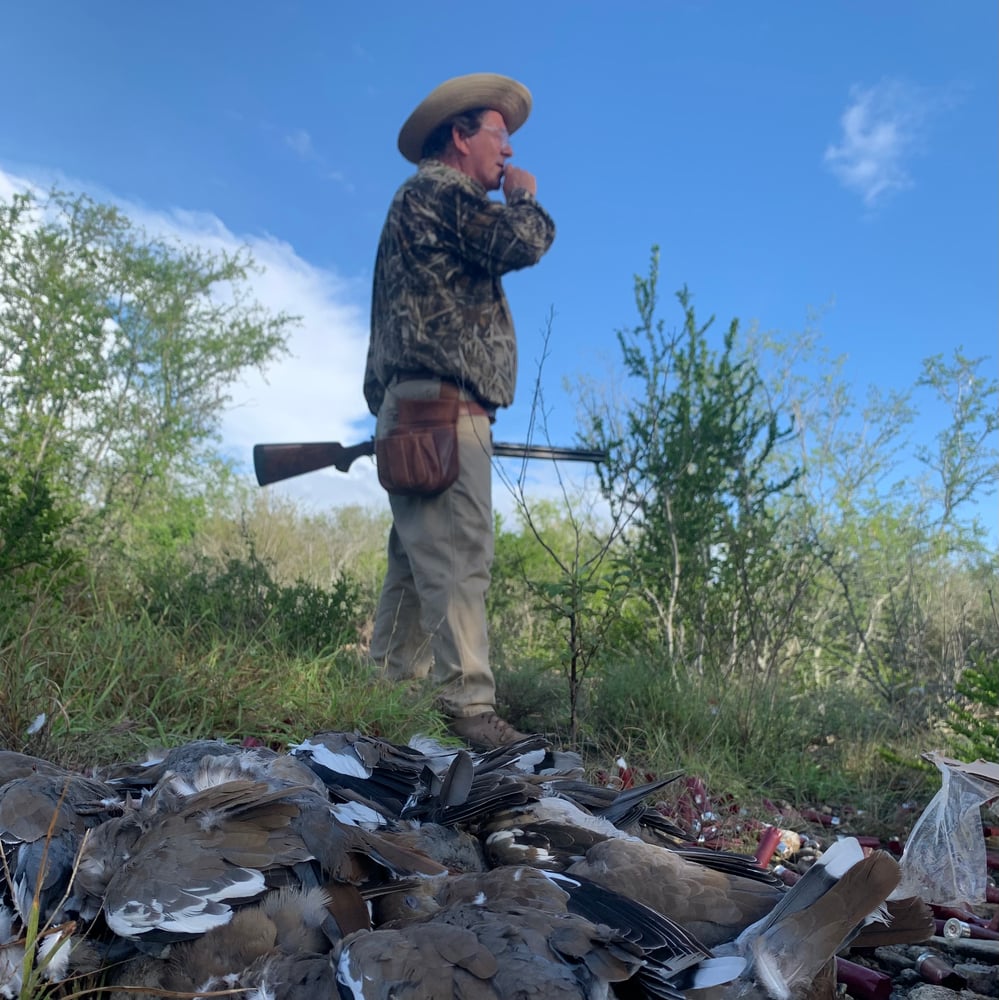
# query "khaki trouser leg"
(441, 555)
(399, 644)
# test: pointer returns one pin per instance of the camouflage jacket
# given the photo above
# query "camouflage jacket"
(437, 302)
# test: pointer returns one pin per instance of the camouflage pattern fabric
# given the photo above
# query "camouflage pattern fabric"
(438, 304)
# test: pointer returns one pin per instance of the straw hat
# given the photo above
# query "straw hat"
(462, 93)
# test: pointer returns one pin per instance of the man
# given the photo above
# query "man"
(441, 328)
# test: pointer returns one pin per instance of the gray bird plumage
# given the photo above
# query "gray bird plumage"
(360, 868)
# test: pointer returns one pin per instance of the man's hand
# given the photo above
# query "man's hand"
(514, 177)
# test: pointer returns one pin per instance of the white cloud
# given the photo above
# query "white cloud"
(882, 127)
(11, 184)
(301, 142)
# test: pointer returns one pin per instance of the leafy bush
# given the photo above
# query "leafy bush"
(241, 598)
(31, 550)
(976, 717)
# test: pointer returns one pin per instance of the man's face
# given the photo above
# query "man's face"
(486, 152)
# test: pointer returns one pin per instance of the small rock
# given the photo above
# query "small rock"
(907, 978)
(983, 979)
(928, 992)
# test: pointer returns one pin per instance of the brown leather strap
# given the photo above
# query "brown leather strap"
(470, 406)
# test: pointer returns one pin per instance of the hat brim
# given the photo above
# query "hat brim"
(462, 93)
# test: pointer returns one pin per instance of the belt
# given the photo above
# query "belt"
(413, 374)
(450, 389)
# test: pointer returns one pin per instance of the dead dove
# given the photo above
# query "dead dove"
(500, 934)
(791, 946)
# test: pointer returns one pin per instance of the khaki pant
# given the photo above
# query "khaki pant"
(431, 618)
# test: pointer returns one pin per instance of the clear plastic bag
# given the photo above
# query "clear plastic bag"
(944, 858)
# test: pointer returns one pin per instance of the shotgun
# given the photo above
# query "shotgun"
(274, 462)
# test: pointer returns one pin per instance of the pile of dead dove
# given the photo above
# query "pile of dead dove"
(351, 867)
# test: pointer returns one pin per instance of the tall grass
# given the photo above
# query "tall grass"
(113, 683)
(220, 641)
(837, 748)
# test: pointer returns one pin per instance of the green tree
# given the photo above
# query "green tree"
(964, 461)
(899, 603)
(692, 461)
(118, 351)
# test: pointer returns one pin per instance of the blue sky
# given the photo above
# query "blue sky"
(787, 157)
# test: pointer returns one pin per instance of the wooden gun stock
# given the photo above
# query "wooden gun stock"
(274, 462)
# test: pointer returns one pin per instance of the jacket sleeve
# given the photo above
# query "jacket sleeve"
(494, 236)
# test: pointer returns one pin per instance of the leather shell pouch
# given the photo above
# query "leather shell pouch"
(419, 456)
